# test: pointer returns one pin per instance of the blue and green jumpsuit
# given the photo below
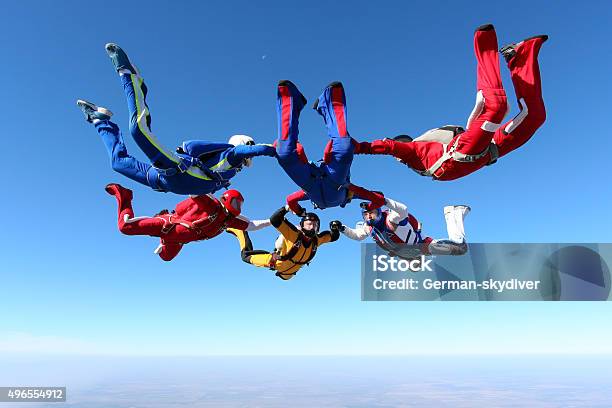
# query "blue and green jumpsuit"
(201, 168)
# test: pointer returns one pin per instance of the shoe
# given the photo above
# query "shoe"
(93, 112)
(485, 27)
(334, 84)
(509, 51)
(289, 84)
(118, 190)
(462, 207)
(120, 58)
(286, 82)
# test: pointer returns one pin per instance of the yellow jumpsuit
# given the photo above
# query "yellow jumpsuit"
(296, 251)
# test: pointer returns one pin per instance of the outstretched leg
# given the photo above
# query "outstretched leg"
(455, 244)
(289, 104)
(522, 60)
(168, 250)
(332, 106)
(121, 161)
(491, 105)
(127, 223)
(247, 253)
(140, 117)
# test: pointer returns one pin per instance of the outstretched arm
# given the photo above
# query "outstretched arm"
(279, 222)
(328, 236)
(256, 225)
(294, 199)
(244, 224)
(398, 212)
(376, 199)
(358, 234)
(241, 152)
(332, 235)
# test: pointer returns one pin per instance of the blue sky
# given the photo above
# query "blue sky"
(72, 283)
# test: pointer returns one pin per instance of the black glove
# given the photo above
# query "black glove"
(336, 225)
(364, 205)
(301, 212)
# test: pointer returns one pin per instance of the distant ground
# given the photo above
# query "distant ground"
(489, 381)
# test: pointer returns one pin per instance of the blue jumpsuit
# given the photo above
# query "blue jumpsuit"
(204, 168)
(326, 184)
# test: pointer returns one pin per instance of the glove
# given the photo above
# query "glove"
(364, 205)
(362, 147)
(336, 225)
(301, 211)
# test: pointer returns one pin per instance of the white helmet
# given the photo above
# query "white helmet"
(241, 140)
(237, 140)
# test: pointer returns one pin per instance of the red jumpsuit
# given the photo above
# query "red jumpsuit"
(194, 219)
(484, 126)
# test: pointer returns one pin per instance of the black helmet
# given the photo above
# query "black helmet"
(403, 138)
(310, 217)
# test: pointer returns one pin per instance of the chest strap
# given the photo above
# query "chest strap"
(171, 221)
(299, 242)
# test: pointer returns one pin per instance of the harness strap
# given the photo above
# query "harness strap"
(170, 223)
(186, 162)
(447, 154)
(494, 150)
(299, 242)
(167, 172)
(153, 178)
(462, 157)
(451, 153)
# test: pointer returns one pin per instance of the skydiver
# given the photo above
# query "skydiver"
(197, 218)
(398, 232)
(327, 183)
(451, 152)
(197, 167)
(295, 247)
